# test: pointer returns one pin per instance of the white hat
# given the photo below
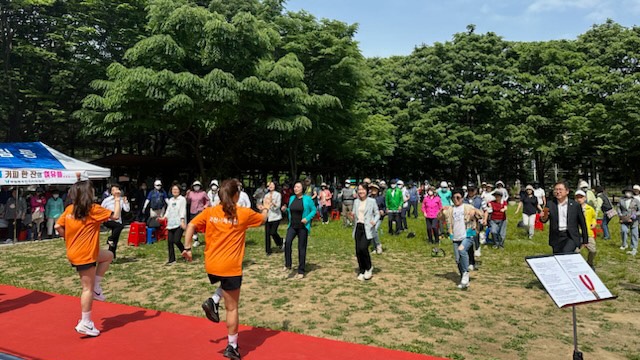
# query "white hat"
(529, 187)
(499, 183)
(489, 185)
(580, 193)
(464, 187)
(444, 184)
(636, 187)
(583, 184)
(400, 182)
(323, 184)
(196, 183)
(214, 182)
(157, 183)
(383, 183)
(497, 193)
(347, 181)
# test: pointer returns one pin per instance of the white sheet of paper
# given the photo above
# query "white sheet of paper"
(561, 289)
(574, 265)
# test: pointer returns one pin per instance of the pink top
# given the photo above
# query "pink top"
(198, 200)
(325, 197)
(431, 205)
(37, 203)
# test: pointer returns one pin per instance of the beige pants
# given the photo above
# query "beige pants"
(591, 246)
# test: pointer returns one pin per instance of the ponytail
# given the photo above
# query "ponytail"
(228, 190)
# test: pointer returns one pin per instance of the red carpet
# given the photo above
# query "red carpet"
(37, 325)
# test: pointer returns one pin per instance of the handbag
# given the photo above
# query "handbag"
(153, 222)
(37, 215)
(611, 213)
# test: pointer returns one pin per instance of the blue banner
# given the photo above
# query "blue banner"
(27, 155)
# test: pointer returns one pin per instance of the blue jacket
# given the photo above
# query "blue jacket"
(309, 210)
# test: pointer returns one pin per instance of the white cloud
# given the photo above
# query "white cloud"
(559, 5)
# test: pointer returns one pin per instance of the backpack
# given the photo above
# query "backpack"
(157, 200)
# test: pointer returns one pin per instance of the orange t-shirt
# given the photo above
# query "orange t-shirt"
(224, 240)
(82, 238)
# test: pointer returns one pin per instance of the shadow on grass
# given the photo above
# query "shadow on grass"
(33, 297)
(451, 276)
(249, 339)
(124, 260)
(534, 284)
(121, 320)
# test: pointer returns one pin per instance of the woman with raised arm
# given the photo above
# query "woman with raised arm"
(225, 227)
(79, 225)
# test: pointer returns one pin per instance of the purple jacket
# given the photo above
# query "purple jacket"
(431, 205)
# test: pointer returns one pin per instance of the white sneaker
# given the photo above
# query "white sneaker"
(196, 244)
(477, 253)
(360, 277)
(483, 238)
(623, 247)
(471, 268)
(465, 279)
(633, 252)
(87, 328)
(379, 249)
(98, 294)
(368, 274)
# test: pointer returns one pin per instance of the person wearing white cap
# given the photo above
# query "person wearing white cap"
(347, 195)
(405, 204)
(325, 197)
(636, 192)
(197, 200)
(156, 200)
(500, 187)
(445, 194)
(212, 194)
(591, 196)
(628, 207)
(590, 219)
(530, 207)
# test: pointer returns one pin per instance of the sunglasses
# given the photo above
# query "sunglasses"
(457, 197)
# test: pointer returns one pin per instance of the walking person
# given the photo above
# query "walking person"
(53, 209)
(325, 197)
(176, 216)
(115, 225)
(405, 205)
(568, 228)
(374, 193)
(472, 198)
(274, 198)
(301, 211)
(462, 220)
(225, 227)
(628, 209)
(15, 211)
(530, 207)
(365, 216)
(497, 216)
(590, 219)
(431, 206)
(79, 225)
(608, 210)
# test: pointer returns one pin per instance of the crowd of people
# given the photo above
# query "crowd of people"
(469, 216)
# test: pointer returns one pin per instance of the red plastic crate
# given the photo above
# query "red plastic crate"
(137, 233)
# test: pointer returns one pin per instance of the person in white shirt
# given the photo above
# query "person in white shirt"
(115, 225)
(501, 187)
(540, 194)
(274, 198)
(243, 200)
(176, 222)
(214, 199)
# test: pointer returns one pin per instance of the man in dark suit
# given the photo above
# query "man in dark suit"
(568, 230)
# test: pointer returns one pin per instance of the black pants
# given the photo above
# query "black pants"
(112, 240)
(173, 238)
(413, 208)
(325, 214)
(302, 235)
(397, 218)
(362, 249)
(564, 244)
(403, 217)
(432, 230)
(13, 225)
(271, 231)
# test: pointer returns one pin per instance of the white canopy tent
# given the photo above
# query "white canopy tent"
(36, 163)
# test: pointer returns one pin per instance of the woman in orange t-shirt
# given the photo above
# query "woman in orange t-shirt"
(79, 225)
(225, 228)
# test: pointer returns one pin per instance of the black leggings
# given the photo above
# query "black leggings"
(432, 229)
(116, 229)
(174, 236)
(302, 235)
(325, 213)
(362, 249)
(395, 216)
(271, 231)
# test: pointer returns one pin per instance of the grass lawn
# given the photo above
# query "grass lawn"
(412, 303)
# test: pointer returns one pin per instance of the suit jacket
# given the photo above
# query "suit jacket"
(371, 213)
(576, 224)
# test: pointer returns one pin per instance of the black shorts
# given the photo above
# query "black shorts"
(227, 282)
(84, 266)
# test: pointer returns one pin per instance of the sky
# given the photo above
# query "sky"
(395, 27)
